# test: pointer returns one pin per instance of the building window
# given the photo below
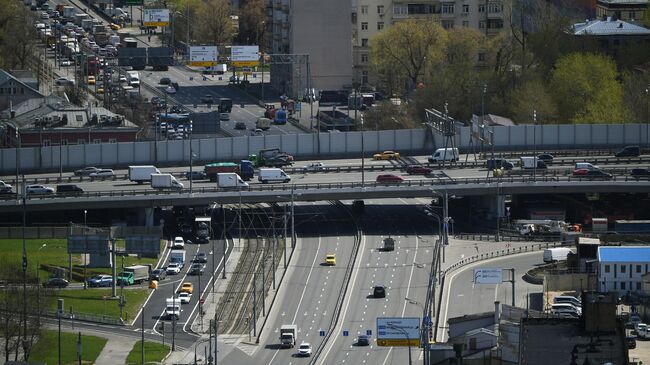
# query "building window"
(622, 285)
(364, 9)
(97, 141)
(47, 142)
(481, 24)
(81, 141)
(380, 9)
(615, 285)
(364, 42)
(447, 8)
(465, 23)
(481, 8)
(64, 142)
(638, 268)
(607, 268)
(380, 25)
(448, 24)
(364, 77)
(632, 15)
(623, 269)
(79, 118)
(1, 91)
(364, 58)
(638, 286)
(364, 26)
(494, 8)
(22, 91)
(465, 9)
(112, 140)
(400, 9)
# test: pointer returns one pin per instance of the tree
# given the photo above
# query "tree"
(214, 24)
(20, 45)
(405, 48)
(532, 94)
(252, 23)
(386, 115)
(586, 89)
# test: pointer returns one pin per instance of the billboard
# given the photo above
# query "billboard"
(149, 245)
(92, 244)
(204, 56)
(488, 276)
(398, 331)
(245, 56)
(156, 17)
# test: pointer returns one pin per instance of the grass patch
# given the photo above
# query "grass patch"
(153, 352)
(46, 348)
(91, 301)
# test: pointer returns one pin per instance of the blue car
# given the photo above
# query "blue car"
(100, 280)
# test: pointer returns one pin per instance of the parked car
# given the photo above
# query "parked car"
(630, 341)
(68, 189)
(170, 90)
(418, 170)
(386, 155)
(86, 171)
(102, 173)
(389, 179)
(379, 291)
(100, 280)
(195, 175)
(56, 283)
(38, 190)
(158, 274)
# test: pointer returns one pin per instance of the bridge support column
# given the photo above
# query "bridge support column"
(145, 217)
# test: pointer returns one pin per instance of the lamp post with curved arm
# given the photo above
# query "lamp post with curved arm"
(408, 339)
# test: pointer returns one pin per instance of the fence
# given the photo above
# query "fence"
(86, 317)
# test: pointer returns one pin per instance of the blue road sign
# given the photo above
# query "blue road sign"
(321, 333)
(368, 332)
(345, 333)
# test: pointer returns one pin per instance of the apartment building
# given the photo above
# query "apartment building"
(319, 29)
(620, 268)
(372, 16)
(631, 11)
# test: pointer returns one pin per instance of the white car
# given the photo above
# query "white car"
(66, 63)
(304, 349)
(62, 81)
(38, 189)
(185, 297)
(179, 242)
(173, 268)
(122, 78)
(45, 15)
(4, 185)
(102, 173)
(314, 166)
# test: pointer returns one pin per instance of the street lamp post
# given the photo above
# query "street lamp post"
(86, 247)
(191, 155)
(425, 328)
(38, 264)
(647, 116)
(534, 145)
(408, 340)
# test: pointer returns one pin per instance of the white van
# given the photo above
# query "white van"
(568, 299)
(273, 175)
(230, 180)
(586, 166)
(556, 254)
(444, 154)
(528, 162)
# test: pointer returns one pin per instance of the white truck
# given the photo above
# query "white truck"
(172, 308)
(177, 256)
(118, 12)
(219, 69)
(141, 174)
(288, 334)
(230, 180)
(273, 175)
(528, 162)
(165, 182)
(133, 78)
(444, 154)
(556, 254)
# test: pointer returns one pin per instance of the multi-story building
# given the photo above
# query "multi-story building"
(620, 268)
(631, 11)
(372, 16)
(319, 29)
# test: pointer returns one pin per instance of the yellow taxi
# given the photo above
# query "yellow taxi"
(91, 80)
(187, 288)
(386, 155)
(114, 26)
(330, 259)
(100, 90)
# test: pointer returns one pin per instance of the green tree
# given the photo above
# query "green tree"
(252, 23)
(586, 89)
(532, 94)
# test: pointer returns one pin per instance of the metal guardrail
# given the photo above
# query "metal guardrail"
(86, 317)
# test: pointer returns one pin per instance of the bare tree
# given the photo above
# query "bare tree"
(252, 23)
(215, 26)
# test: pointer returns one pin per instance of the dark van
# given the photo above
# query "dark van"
(68, 189)
(499, 163)
(629, 151)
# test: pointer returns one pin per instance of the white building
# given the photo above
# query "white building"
(620, 268)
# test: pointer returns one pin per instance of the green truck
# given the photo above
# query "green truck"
(271, 157)
(133, 275)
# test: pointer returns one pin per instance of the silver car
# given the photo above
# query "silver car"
(38, 190)
(102, 173)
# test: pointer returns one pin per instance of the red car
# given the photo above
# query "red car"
(418, 170)
(580, 172)
(389, 179)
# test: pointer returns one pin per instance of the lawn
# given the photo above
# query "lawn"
(46, 348)
(92, 301)
(153, 352)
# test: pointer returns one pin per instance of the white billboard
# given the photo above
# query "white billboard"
(204, 56)
(245, 56)
(398, 331)
(488, 276)
(156, 17)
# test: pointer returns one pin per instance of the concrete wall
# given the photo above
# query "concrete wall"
(324, 145)
(568, 282)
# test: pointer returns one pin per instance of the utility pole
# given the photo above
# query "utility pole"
(142, 340)
(534, 145)
(254, 319)
(174, 319)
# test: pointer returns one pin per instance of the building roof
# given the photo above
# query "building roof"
(470, 317)
(608, 26)
(624, 254)
(480, 331)
(624, 2)
(6, 76)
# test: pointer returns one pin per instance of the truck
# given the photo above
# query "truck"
(244, 169)
(133, 275)
(219, 69)
(556, 254)
(263, 123)
(528, 162)
(172, 308)
(280, 117)
(225, 105)
(288, 334)
(271, 157)
(230, 180)
(68, 12)
(444, 154)
(273, 175)
(177, 256)
(116, 12)
(140, 174)
(165, 181)
(133, 78)
(389, 244)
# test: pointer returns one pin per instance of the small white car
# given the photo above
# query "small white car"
(61, 81)
(170, 90)
(315, 166)
(185, 297)
(304, 349)
(179, 242)
(173, 268)
(102, 173)
(38, 190)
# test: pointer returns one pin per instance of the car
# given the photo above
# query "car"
(62, 81)
(102, 173)
(201, 257)
(178, 242)
(418, 170)
(66, 63)
(363, 340)
(196, 269)
(304, 349)
(173, 268)
(387, 179)
(100, 280)
(155, 100)
(91, 80)
(592, 174)
(45, 15)
(86, 171)
(314, 167)
(195, 175)
(68, 189)
(207, 99)
(165, 81)
(122, 78)
(170, 90)
(234, 78)
(100, 90)
(386, 155)
(330, 259)
(240, 126)
(38, 190)
(546, 157)
(257, 132)
(224, 116)
(629, 151)
(640, 172)
(4, 185)
(176, 109)
(158, 274)
(379, 291)
(187, 288)
(185, 297)
(55, 283)
(630, 341)
(114, 26)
